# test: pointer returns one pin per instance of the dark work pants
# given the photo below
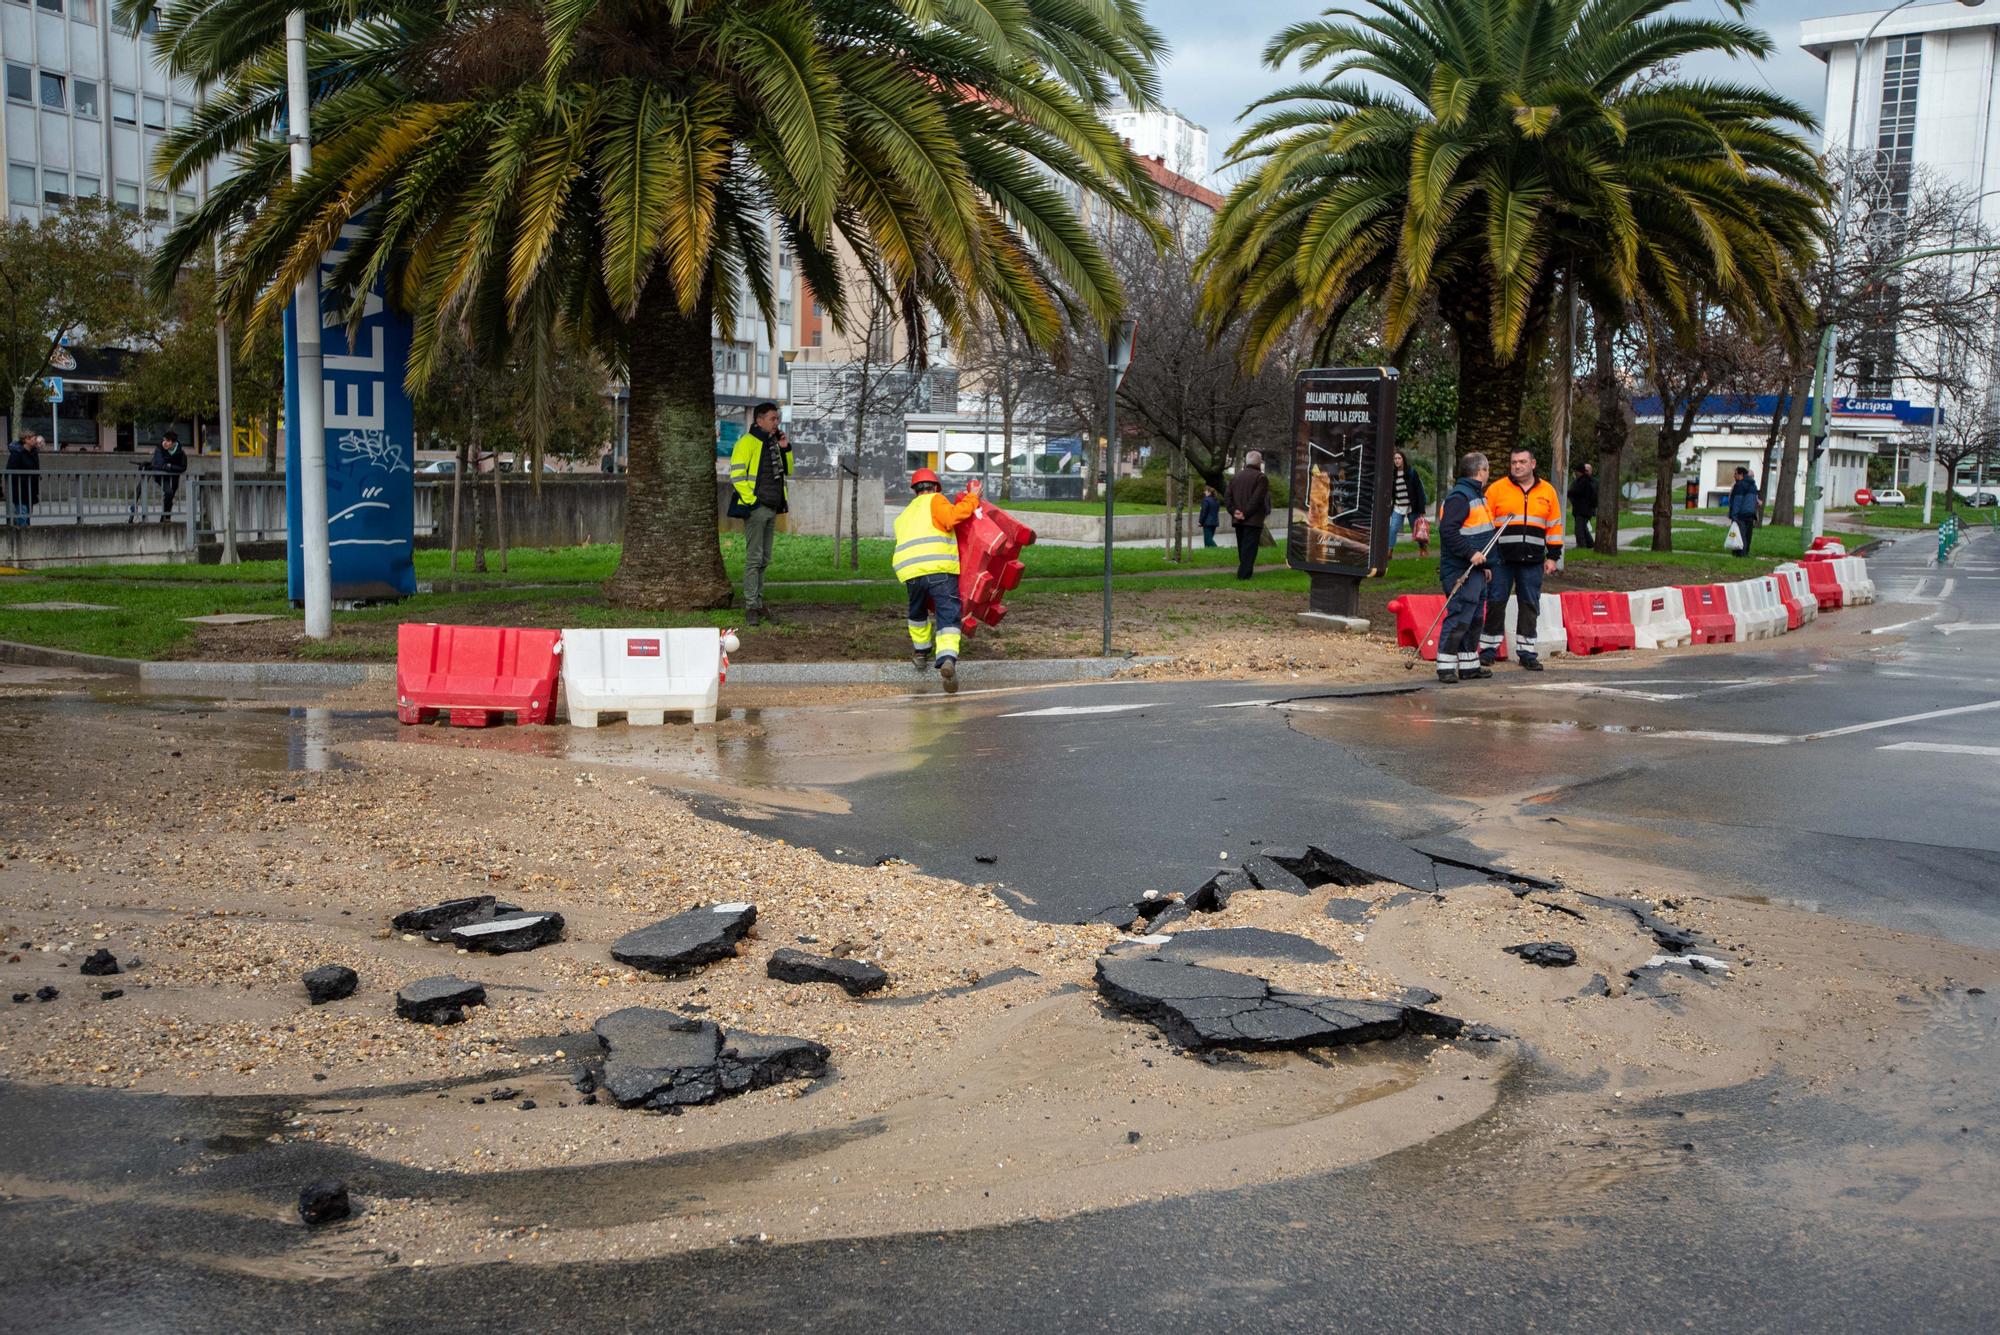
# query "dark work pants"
(1525, 584)
(1746, 527)
(1208, 535)
(1458, 637)
(1247, 538)
(1583, 538)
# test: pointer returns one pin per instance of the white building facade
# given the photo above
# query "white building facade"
(1179, 144)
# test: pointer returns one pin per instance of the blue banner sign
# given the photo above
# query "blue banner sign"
(370, 449)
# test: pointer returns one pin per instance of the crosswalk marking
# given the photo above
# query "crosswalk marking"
(1061, 710)
(1947, 748)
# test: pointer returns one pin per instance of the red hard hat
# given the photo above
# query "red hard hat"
(923, 475)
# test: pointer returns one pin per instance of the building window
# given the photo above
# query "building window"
(816, 338)
(785, 312)
(1896, 130)
(20, 82)
(156, 204)
(763, 363)
(55, 188)
(127, 197)
(86, 97)
(54, 94)
(83, 11)
(88, 187)
(53, 6)
(124, 107)
(21, 184)
(183, 203)
(156, 113)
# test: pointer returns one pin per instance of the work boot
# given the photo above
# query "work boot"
(752, 615)
(920, 659)
(1487, 658)
(1476, 674)
(1529, 663)
(948, 673)
(770, 617)
(1448, 678)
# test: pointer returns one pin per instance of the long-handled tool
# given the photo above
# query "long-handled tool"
(1439, 618)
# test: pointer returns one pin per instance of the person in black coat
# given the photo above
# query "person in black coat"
(170, 461)
(1408, 503)
(1583, 503)
(1211, 515)
(24, 477)
(1249, 506)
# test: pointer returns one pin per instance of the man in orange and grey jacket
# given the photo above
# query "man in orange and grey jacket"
(1529, 514)
(926, 560)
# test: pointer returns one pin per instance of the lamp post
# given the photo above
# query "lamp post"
(1830, 343)
(1117, 358)
(314, 549)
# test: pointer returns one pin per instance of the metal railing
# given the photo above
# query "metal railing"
(58, 496)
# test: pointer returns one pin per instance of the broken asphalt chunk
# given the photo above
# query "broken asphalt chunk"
(686, 941)
(324, 1202)
(1215, 891)
(510, 932)
(451, 913)
(1548, 954)
(1210, 943)
(658, 1059)
(1198, 1007)
(329, 982)
(856, 977)
(100, 964)
(440, 1000)
(1269, 874)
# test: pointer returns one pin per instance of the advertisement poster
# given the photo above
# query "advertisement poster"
(1345, 432)
(370, 450)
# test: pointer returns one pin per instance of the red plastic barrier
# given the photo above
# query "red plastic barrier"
(1794, 614)
(1825, 581)
(1827, 540)
(1708, 613)
(475, 673)
(989, 548)
(1597, 622)
(1415, 613)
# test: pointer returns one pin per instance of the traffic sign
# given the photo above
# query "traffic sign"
(54, 385)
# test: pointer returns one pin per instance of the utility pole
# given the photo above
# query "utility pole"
(315, 553)
(1117, 358)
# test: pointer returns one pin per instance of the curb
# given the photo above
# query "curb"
(189, 673)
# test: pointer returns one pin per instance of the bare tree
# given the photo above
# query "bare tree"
(1000, 362)
(1719, 362)
(1967, 437)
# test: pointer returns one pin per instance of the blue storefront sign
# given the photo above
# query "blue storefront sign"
(370, 449)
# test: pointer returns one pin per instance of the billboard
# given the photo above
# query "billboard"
(1344, 433)
(370, 449)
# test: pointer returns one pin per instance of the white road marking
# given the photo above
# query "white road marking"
(1900, 625)
(1958, 627)
(1946, 748)
(1063, 710)
(1897, 722)
(1242, 704)
(1753, 738)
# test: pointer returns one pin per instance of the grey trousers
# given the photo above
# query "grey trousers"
(757, 531)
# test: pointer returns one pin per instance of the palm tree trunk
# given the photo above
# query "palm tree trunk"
(1490, 394)
(672, 559)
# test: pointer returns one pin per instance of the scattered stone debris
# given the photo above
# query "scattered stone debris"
(20, 997)
(440, 1000)
(988, 858)
(857, 977)
(1132, 1137)
(1698, 963)
(329, 982)
(686, 941)
(46, 994)
(1198, 1007)
(1668, 937)
(1548, 954)
(100, 964)
(659, 1059)
(509, 932)
(1598, 986)
(111, 995)
(324, 1202)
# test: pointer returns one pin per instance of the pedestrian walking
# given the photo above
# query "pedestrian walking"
(1409, 502)
(1743, 504)
(926, 560)
(758, 467)
(1465, 534)
(24, 477)
(1528, 514)
(1249, 506)
(169, 464)
(1583, 503)
(1211, 515)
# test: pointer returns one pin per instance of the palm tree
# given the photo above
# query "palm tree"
(623, 168)
(1517, 140)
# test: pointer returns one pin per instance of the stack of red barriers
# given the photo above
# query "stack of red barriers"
(989, 551)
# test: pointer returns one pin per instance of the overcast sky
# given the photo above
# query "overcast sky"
(1216, 68)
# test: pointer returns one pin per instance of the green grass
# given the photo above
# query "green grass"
(145, 620)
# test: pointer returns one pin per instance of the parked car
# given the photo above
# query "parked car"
(1890, 496)
(1983, 498)
(439, 467)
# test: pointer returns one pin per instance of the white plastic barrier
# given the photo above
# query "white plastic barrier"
(1659, 619)
(1802, 594)
(1852, 572)
(644, 673)
(1754, 603)
(1550, 636)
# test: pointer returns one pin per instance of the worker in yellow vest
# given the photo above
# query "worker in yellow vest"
(926, 560)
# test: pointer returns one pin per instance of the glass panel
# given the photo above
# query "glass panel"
(20, 184)
(156, 203)
(86, 97)
(83, 11)
(128, 197)
(20, 82)
(124, 107)
(55, 188)
(88, 187)
(53, 6)
(52, 91)
(156, 113)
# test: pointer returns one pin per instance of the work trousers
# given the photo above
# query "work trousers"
(1247, 538)
(1525, 584)
(758, 528)
(1208, 535)
(1583, 538)
(1458, 637)
(1746, 527)
(936, 615)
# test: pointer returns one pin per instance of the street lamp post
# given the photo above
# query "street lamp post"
(1117, 358)
(1830, 343)
(315, 552)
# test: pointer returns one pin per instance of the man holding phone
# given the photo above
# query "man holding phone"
(758, 471)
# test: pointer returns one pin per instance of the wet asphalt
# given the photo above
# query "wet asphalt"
(1868, 1206)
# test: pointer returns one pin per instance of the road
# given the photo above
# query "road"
(1862, 782)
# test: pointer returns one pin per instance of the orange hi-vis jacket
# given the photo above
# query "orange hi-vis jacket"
(1531, 521)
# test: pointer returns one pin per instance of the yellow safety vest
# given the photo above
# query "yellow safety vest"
(922, 548)
(745, 459)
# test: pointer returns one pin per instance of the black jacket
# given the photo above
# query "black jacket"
(25, 486)
(1250, 492)
(1583, 496)
(163, 462)
(1211, 511)
(1413, 480)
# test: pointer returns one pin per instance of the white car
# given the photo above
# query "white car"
(1890, 496)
